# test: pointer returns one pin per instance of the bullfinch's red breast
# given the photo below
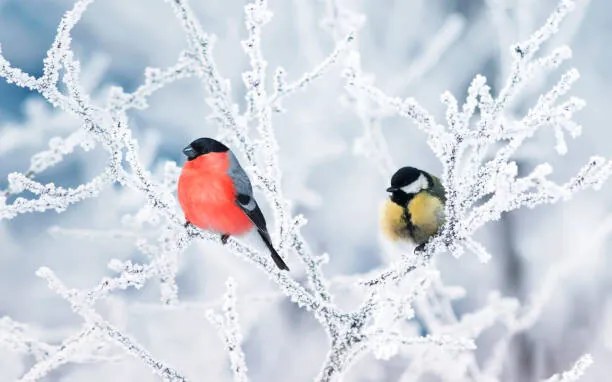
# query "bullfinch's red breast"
(216, 194)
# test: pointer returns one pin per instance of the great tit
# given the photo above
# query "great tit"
(415, 208)
(216, 194)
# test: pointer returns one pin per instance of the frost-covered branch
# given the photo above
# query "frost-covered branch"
(576, 372)
(229, 326)
(82, 304)
(480, 190)
(69, 351)
(475, 145)
(49, 196)
(13, 336)
(283, 89)
(518, 320)
(462, 146)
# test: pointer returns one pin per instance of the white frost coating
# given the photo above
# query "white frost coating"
(480, 189)
(575, 373)
(49, 196)
(80, 347)
(13, 336)
(462, 146)
(475, 145)
(17, 337)
(228, 325)
(81, 303)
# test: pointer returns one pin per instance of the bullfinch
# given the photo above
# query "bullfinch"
(216, 194)
(415, 209)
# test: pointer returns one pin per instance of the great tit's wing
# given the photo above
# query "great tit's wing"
(437, 189)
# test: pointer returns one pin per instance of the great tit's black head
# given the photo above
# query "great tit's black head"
(406, 181)
(203, 146)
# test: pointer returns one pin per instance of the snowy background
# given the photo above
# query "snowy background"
(413, 49)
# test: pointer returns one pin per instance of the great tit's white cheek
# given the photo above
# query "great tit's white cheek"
(419, 184)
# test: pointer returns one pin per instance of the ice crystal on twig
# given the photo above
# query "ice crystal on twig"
(229, 326)
(576, 372)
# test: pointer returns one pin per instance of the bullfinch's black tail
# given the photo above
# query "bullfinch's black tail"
(275, 256)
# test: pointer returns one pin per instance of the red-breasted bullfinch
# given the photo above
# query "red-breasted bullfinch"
(216, 194)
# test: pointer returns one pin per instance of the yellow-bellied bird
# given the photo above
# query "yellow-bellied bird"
(415, 208)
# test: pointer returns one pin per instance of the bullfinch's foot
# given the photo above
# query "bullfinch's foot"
(187, 224)
(224, 238)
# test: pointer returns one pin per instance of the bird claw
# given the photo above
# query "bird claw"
(420, 248)
(187, 224)
(224, 238)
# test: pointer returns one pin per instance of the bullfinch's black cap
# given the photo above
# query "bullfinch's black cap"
(403, 177)
(202, 146)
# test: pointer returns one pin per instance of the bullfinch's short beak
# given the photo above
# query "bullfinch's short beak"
(391, 189)
(189, 152)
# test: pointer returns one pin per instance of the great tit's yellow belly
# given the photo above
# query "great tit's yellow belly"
(418, 222)
(426, 214)
(393, 221)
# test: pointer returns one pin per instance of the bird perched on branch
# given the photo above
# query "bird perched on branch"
(415, 208)
(216, 194)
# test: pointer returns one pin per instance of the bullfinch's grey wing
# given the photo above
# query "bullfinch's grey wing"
(246, 201)
(251, 209)
(239, 177)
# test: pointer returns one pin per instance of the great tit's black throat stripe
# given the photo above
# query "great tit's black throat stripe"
(408, 219)
(401, 198)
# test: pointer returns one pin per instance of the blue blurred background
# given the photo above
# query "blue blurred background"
(338, 191)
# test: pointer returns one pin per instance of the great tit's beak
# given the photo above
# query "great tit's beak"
(391, 189)
(189, 152)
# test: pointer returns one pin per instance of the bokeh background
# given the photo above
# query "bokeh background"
(338, 190)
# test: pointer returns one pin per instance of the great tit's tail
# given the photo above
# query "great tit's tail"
(275, 256)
